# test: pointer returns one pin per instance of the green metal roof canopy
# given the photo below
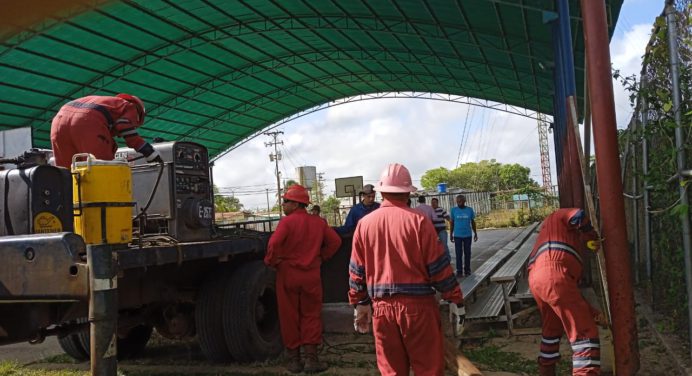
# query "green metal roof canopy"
(218, 72)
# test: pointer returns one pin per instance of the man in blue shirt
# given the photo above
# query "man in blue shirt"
(366, 205)
(462, 223)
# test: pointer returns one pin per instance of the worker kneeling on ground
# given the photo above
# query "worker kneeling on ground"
(555, 266)
(297, 248)
(397, 263)
(89, 124)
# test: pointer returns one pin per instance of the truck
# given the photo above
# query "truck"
(180, 274)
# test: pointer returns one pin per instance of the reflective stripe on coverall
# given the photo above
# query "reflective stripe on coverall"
(88, 125)
(398, 261)
(297, 248)
(555, 266)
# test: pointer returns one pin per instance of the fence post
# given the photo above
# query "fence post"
(681, 160)
(103, 310)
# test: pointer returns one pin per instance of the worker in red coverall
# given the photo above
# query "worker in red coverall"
(296, 249)
(397, 263)
(88, 125)
(555, 266)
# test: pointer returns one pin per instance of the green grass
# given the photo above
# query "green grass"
(59, 359)
(494, 358)
(14, 369)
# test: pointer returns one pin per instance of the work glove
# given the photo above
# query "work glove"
(154, 157)
(362, 318)
(457, 316)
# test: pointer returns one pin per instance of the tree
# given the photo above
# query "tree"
(330, 209)
(224, 204)
(437, 175)
(484, 176)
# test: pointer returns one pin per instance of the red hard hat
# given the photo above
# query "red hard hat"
(141, 110)
(395, 179)
(297, 193)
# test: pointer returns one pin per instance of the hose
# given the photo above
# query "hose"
(153, 192)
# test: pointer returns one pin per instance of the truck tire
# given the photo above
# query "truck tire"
(251, 314)
(135, 342)
(72, 346)
(208, 319)
(77, 345)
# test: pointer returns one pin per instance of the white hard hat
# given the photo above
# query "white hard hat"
(395, 179)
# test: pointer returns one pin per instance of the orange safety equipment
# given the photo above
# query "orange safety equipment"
(89, 125)
(395, 179)
(297, 193)
(555, 266)
(139, 105)
(398, 263)
(296, 249)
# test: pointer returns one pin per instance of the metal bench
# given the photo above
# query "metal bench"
(476, 279)
(488, 306)
(523, 292)
(507, 276)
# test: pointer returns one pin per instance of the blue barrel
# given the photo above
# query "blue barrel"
(442, 188)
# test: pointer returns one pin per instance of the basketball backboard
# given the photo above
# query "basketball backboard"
(348, 187)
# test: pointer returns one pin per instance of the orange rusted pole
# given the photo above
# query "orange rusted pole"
(610, 187)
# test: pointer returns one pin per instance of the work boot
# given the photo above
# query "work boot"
(546, 370)
(294, 364)
(312, 363)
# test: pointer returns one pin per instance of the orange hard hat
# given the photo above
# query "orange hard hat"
(139, 105)
(395, 179)
(297, 193)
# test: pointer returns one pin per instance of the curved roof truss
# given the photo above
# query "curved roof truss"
(219, 72)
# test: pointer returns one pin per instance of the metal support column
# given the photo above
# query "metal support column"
(562, 149)
(635, 211)
(645, 182)
(570, 95)
(610, 188)
(103, 310)
(681, 158)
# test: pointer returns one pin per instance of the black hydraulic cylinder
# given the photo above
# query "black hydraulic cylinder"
(103, 310)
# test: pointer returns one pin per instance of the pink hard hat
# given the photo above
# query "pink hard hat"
(297, 193)
(395, 179)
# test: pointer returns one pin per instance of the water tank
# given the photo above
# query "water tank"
(307, 176)
(442, 187)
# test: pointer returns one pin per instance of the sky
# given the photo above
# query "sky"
(362, 138)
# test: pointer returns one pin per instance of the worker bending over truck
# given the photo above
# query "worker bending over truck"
(89, 125)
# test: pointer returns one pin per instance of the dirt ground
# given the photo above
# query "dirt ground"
(487, 345)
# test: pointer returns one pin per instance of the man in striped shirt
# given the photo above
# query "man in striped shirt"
(439, 221)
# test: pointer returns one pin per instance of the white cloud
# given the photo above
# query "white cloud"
(361, 138)
(626, 50)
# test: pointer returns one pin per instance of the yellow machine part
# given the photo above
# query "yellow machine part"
(102, 196)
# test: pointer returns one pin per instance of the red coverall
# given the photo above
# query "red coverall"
(398, 261)
(555, 266)
(88, 125)
(297, 248)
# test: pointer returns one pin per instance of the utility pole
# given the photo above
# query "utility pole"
(319, 186)
(275, 157)
(268, 207)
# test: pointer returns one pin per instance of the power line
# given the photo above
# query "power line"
(461, 142)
